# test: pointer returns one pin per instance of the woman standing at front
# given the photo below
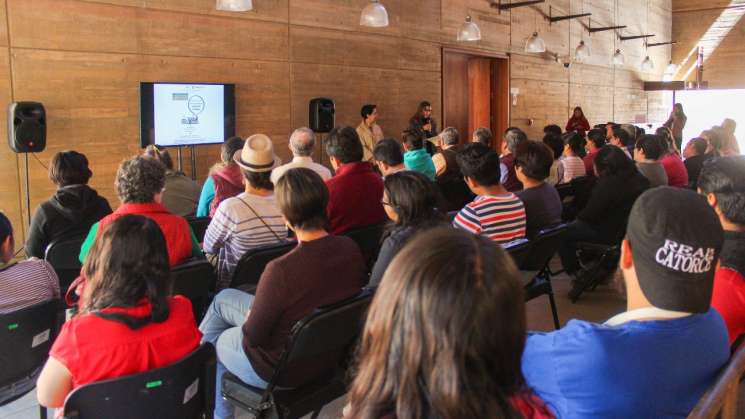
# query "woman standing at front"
(676, 122)
(578, 122)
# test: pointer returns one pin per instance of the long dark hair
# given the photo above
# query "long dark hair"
(611, 160)
(419, 115)
(414, 198)
(128, 262)
(445, 333)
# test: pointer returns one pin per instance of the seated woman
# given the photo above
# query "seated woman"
(73, 208)
(542, 202)
(181, 193)
(127, 325)
(409, 200)
(445, 335)
(677, 175)
(224, 181)
(570, 164)
(604, 218)
(321, 270)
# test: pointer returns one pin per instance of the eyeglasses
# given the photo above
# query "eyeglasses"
(387, 204)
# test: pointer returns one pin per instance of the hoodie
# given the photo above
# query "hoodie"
(228, 183)
(69, 213)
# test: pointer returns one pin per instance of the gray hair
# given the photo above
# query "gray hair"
(139, 179)
(483, 136)
(513, 137)
(450, 136)
(302, 141)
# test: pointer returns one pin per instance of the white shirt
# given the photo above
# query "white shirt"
(300, 161)
(645, 313)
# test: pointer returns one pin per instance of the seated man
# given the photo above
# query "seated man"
(694, 154)
(355, 192)
(449, 178)
(416, 157)
(513, 137)
(389, 157)
(595, 141)
(495, 213)
(139, 184)
(723, 183)
(25, 283)
(542, 203)
(249, 219)
(659, 357)
(647, 156)
(302, 143)
(483, 135)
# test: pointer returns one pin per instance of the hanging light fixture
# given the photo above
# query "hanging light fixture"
(671, 68)
(535, 44)
(582, 52)
(469, 31)
(374, 15)
(618, 58)
(647, 64)
(234, 5)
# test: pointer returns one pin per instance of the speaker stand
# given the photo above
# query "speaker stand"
(180, 159)
(28, 192)
(193, 155)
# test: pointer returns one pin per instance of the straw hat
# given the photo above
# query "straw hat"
(257, 154)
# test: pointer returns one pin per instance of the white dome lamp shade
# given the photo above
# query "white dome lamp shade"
(374, 15)
(234, 5)
(535, 44)
(618, 58)
(671, 69)
(582, 52)
(469, 31)
(647, 64)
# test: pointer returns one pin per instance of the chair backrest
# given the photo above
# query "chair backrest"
(545, 244)
(722, 396)
(519, 250)
(194, 279)
(251, 265)
(582, 187)
(26, 337)
(63, 256)
(565, 190)
(368, 239)
(451, 215)
(199, 226)
(185, 389)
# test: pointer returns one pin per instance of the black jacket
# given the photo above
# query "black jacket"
(70, 212)
(733, 251)
(610, 203)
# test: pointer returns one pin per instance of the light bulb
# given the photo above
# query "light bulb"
(469, 31)
(647, 64)
(234, 5)
(582, 52)
(374, 15)
(618, 58)
(535, 44)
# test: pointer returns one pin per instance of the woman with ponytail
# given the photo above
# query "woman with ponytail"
(127, 324)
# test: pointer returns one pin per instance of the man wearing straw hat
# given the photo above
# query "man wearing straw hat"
(250, 219)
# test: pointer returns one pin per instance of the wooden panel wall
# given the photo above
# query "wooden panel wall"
(84, 59)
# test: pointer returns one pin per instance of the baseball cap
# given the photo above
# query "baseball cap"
(675, 239)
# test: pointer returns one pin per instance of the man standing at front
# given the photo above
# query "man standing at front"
(369, 131)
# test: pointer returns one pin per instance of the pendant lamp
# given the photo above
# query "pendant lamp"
(618, 58)
(234, 5)
(647, 64)
(535, 44)
(582, 52)
(469, 31)
(374, 15)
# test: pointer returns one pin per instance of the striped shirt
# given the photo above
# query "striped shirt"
(235, 229)
(500, 218)
(27, 283)
(570, 167)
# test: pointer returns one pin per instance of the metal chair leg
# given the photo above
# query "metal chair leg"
(42, 412)
(554, 312)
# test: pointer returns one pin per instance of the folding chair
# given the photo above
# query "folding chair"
(721, 399)
(63, 256)
(251, 265)
(519, 250)
(329, 334)
(199, 226)
(194, 279)
(536, 266)
(183, 390)
(368, 239)
(26, 337)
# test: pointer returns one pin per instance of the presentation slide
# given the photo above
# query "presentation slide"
(187, 114)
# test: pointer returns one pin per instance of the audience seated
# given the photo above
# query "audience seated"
(73, 208)
(495, 213)
(410, 201)
(604, 218)
(444, 336)
(449, 177)
(657, 358)
(139, 184)
(570, 165)
(22, 284)
(722, 181)
(416, 157)
(484, 136)
(251, 218)
(369, 131)
(302, 143)
(713, 142)
(595, 141)
(647, 156)
(181, 193)
(620, 139)
(541, 200)
(356, 190)
(513, 137)
(389, 156)
(224, 180)
(695, 155)
(552, 129)
(730, 147)
(632, 136)
(556, 145)
(250, 333)
(127, 324)
(674, 167)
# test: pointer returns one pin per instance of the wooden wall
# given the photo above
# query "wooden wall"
(84, 59)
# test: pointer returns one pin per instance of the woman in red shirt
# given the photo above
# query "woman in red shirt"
(677, 174)
(578, 122)
(127, 324)
(444, 335)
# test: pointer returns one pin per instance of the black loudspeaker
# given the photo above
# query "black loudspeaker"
(322, 114)
(27, 127)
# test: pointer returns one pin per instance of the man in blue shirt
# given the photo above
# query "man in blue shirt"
(656, 359)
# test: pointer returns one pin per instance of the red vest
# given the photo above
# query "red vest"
(228, 183)
(175, 229)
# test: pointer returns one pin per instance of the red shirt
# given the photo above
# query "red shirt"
(355, 193)
(728, 298)
(589, 161)
(677, 175)
(95, 349)
(579, 124)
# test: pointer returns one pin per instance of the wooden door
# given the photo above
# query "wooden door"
(455, 92)
(479, 94)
